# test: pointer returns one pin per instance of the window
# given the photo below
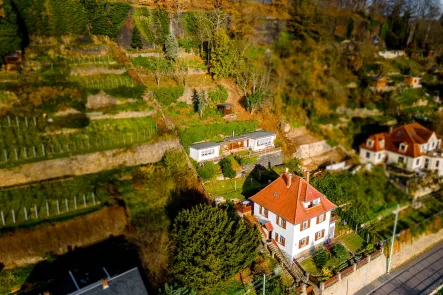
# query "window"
(401, 160)
(417, 162)
(261, 210)
(319, 235)
(368, 155)
(437, 163)
(305, 225)
(208, 152)
(281, 221)
(320, 218)
(403, 147)
(264, 141)
(303, 242)
(379, 156)
(280, 239)
(266, 213)
(382, 143)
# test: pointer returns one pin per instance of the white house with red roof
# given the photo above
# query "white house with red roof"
(411, 146)
(294, 214)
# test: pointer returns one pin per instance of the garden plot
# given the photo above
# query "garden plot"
(27, 139)
(53, 200)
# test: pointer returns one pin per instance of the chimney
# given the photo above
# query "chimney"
(307, 176)
(105, 284)
(289, 180)
(287, 170)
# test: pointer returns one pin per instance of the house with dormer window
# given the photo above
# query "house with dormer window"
(294, 214)
(410, 147)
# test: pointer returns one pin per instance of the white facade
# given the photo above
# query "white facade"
(258, 144)
(204, 154)
(293, 234)
(431, 160)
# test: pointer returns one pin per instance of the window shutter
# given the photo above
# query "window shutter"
(261, 210)
(266, 213)
(323, 233)
(318, 219)
(307, 240)
(276, 237)
(309, 223)
(283, 241)
(284, 224)
(316, 236)
(299, 244)
(277, 219)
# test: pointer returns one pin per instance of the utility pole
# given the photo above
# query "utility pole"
(264, 283)
(393, 238)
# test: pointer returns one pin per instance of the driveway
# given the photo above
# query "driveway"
(420, 276)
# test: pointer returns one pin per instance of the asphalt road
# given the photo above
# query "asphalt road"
(420, 276)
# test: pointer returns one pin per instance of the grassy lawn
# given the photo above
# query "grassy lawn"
(12, 279)
(230, 287)
(309, 265)
(352, 241)
(226, 188)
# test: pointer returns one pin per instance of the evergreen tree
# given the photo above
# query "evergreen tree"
(210, 246)
(10, 35)
(227, 170)
(174, 290)
(222, 55)
(202, 103)
(320, 257)
(171, 47)
(136, 40)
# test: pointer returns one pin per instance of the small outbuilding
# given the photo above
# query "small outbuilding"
(225, 108)
(413, 82)
(204, 151)
(379, 83)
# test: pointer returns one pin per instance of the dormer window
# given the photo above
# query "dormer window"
(403, 147)
(382, 143)
(369, 142)
(316, 202)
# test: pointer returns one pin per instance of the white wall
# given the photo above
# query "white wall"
(197, 154)
(314, 228)
(287, 233)
(374, 157)
(253, 143)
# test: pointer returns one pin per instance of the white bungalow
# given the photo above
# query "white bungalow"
(204, 151)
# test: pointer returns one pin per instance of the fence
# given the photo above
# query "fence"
(47, 209)
(349, 270)
(65, 145)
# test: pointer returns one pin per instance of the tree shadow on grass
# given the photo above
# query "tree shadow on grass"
(259, 177)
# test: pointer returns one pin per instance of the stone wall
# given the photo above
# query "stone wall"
(87, 163)
(359, 278)
(312, 149)
(418, 245)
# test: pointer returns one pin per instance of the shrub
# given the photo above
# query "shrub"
(187, 44)
(127, 92)
(320, 257)
(207, 170)
(339, 251)
(219, 94)
(294, 165)
(168, 95)
(227, 170)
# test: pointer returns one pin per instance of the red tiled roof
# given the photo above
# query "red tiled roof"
(269, 226)
(412, 135)
(287, 202)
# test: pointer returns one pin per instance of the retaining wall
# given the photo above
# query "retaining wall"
(360, 277)
(86, 163)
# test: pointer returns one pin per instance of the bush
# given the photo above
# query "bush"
(207, 170)
(168, 95)
(219, 94)
(187, 44)
(339, 251)
(320, 257)
(227, 170)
